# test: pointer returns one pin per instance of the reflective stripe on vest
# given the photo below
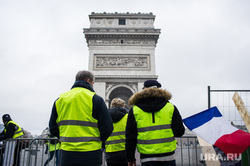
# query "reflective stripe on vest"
(116, 141)
(157, 137)
(77, 128)
(18, 131)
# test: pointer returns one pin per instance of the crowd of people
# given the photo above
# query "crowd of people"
(86, 128)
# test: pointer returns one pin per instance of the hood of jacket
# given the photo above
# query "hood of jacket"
(117, 113)
(150, 99)
(83, 84)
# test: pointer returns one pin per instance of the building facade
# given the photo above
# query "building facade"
(121, 52)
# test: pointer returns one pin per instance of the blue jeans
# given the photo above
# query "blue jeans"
(159, 163)
(51, 155)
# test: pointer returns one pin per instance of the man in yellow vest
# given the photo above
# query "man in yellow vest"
(153, 123)
(12, 130)
(81, 121)
(115, 144)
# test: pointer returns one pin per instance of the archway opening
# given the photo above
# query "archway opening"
(121, 92)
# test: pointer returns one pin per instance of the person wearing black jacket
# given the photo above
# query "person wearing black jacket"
(115, 144)
(81, 121)
(153, 123)
(9, 129)
(12, 130)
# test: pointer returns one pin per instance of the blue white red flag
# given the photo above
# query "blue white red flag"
(213, 128)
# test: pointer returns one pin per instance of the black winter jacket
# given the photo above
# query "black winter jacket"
(10, 130)
(150, 100)
(105, 126)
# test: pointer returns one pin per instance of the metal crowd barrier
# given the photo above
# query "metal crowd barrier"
(31, 152)
(26, 152)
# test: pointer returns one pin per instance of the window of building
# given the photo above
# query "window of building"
(122, 21)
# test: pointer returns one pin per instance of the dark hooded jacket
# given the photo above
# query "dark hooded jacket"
(105, 126)
(150, 100)
(117, 113)
(10, 130)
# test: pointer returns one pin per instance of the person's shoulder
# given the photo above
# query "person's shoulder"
(11, 124)
(96, 97)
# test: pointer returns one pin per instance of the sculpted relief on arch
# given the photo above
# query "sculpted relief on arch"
(121, 61)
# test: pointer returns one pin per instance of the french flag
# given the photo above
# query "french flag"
(214, 129)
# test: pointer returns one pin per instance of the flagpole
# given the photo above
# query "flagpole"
(246, 119)
(242, 110)
(208, 92)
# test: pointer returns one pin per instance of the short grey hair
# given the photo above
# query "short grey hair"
(117, 102)
(84, 75)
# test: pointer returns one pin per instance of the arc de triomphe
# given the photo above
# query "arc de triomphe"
(121, 52)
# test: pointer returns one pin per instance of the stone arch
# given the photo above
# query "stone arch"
(122, 91)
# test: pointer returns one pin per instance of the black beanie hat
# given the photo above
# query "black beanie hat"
(152, 83)
(6, 117)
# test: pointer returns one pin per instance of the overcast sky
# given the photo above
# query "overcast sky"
(42, 47)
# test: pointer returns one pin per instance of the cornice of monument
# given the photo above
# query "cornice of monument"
(126, 76)
(121, 15)
(118, 33)
(127, 31)
(109, 33)
(121, 35)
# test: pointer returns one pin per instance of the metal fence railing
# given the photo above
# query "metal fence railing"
(188, 152)
(27, 152)
(31, 152)
(223, 100)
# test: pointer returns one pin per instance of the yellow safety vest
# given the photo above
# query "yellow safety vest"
(18, 133)
(53, 147)
(158, 137)
(77, 128)
(116, 141)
